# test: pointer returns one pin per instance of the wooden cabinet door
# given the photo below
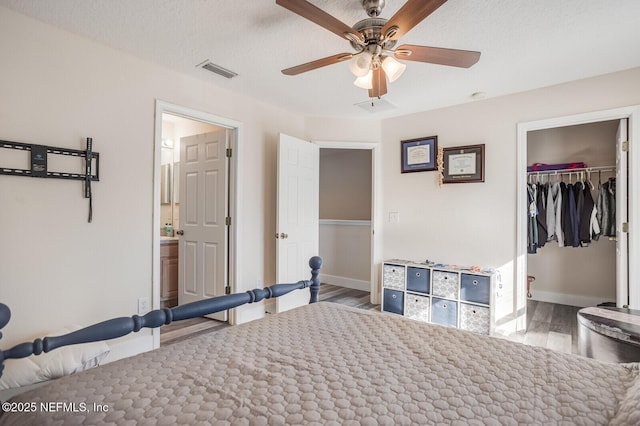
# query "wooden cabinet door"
(169, 274)
(169, 271)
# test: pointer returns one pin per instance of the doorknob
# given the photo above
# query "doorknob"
(180, 232)
(283, 235)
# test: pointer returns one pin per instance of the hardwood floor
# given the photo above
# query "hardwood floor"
(346, 296)
(180, 330)
(549, 325)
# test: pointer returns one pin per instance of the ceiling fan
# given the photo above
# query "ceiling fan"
(374, 39)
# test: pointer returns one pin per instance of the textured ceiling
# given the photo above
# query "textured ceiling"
(525, 44)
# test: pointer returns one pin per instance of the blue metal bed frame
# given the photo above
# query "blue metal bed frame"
(118, 327)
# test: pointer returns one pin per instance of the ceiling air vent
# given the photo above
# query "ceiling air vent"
(210, 66)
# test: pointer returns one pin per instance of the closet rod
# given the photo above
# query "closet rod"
(571, 171)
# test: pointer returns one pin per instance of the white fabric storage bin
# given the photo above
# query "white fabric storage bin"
(445, 284)
(417, 307)
(393, 276)
(475, 318)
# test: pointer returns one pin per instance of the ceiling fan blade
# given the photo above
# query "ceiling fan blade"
(410, 15)
(379, 83)
(318, 16)
(438, 55)
(330, 60)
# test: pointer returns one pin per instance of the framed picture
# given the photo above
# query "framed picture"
(463, 164)
(419, 155)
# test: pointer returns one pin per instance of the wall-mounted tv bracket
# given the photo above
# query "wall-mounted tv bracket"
(39, 154)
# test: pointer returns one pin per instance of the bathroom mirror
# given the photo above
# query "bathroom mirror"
(166, 183)
(176, 182)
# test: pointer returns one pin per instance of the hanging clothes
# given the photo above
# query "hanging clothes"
(558, 190)
(607, 208)
(551, 212)
(584, 229)
(541, 217)
(569, 221)
(578, 192)
(569, 213)
(595, 226)
(532, 226)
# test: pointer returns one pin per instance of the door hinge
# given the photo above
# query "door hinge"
(625, 227)
(625, 146)
(229, 152)
(227, 290)
(227, 221)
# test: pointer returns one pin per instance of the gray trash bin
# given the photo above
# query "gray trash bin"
(609, 334)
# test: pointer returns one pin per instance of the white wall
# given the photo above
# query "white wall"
(475, 223)
(345, 249)
(57, 89)
(342, 129)
(345, 184)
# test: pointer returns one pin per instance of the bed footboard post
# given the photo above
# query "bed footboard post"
(315, 263)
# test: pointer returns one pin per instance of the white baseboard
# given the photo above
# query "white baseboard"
(345, 282)
(568, 299)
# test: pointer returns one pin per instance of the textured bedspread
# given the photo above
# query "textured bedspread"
(327, 363)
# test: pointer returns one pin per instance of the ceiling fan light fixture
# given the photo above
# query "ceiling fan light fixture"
(366, 81)
(360, 64)
(392, 68)
(374, 39)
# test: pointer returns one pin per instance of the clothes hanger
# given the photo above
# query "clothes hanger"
(599, 179)
(589, 180)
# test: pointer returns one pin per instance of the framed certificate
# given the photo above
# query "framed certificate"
(419, 155)
(463, 164)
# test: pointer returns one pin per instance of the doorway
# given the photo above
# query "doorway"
(350, 225)
(373, 250)
(345, 217)
(524, 132)
(580, 272)
(193, 230)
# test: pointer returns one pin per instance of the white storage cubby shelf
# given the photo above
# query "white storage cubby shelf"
(441, 294)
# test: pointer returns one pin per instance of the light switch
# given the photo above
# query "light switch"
(394, 217)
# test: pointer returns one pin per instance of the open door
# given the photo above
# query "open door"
(622, 202)
(202, 265)
(297, 224)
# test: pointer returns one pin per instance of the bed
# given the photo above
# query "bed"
(326, 363)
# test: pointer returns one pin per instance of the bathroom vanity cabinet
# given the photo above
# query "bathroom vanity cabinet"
(168, 273)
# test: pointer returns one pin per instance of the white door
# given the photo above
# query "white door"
(202, 265)
(297, 226)
(622, 237)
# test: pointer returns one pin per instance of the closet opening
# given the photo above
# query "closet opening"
(561, 266)
(571, 244)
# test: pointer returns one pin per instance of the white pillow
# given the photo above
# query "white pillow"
(57, 363)
(18, 372)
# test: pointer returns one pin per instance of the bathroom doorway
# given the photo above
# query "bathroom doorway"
(194, 203)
